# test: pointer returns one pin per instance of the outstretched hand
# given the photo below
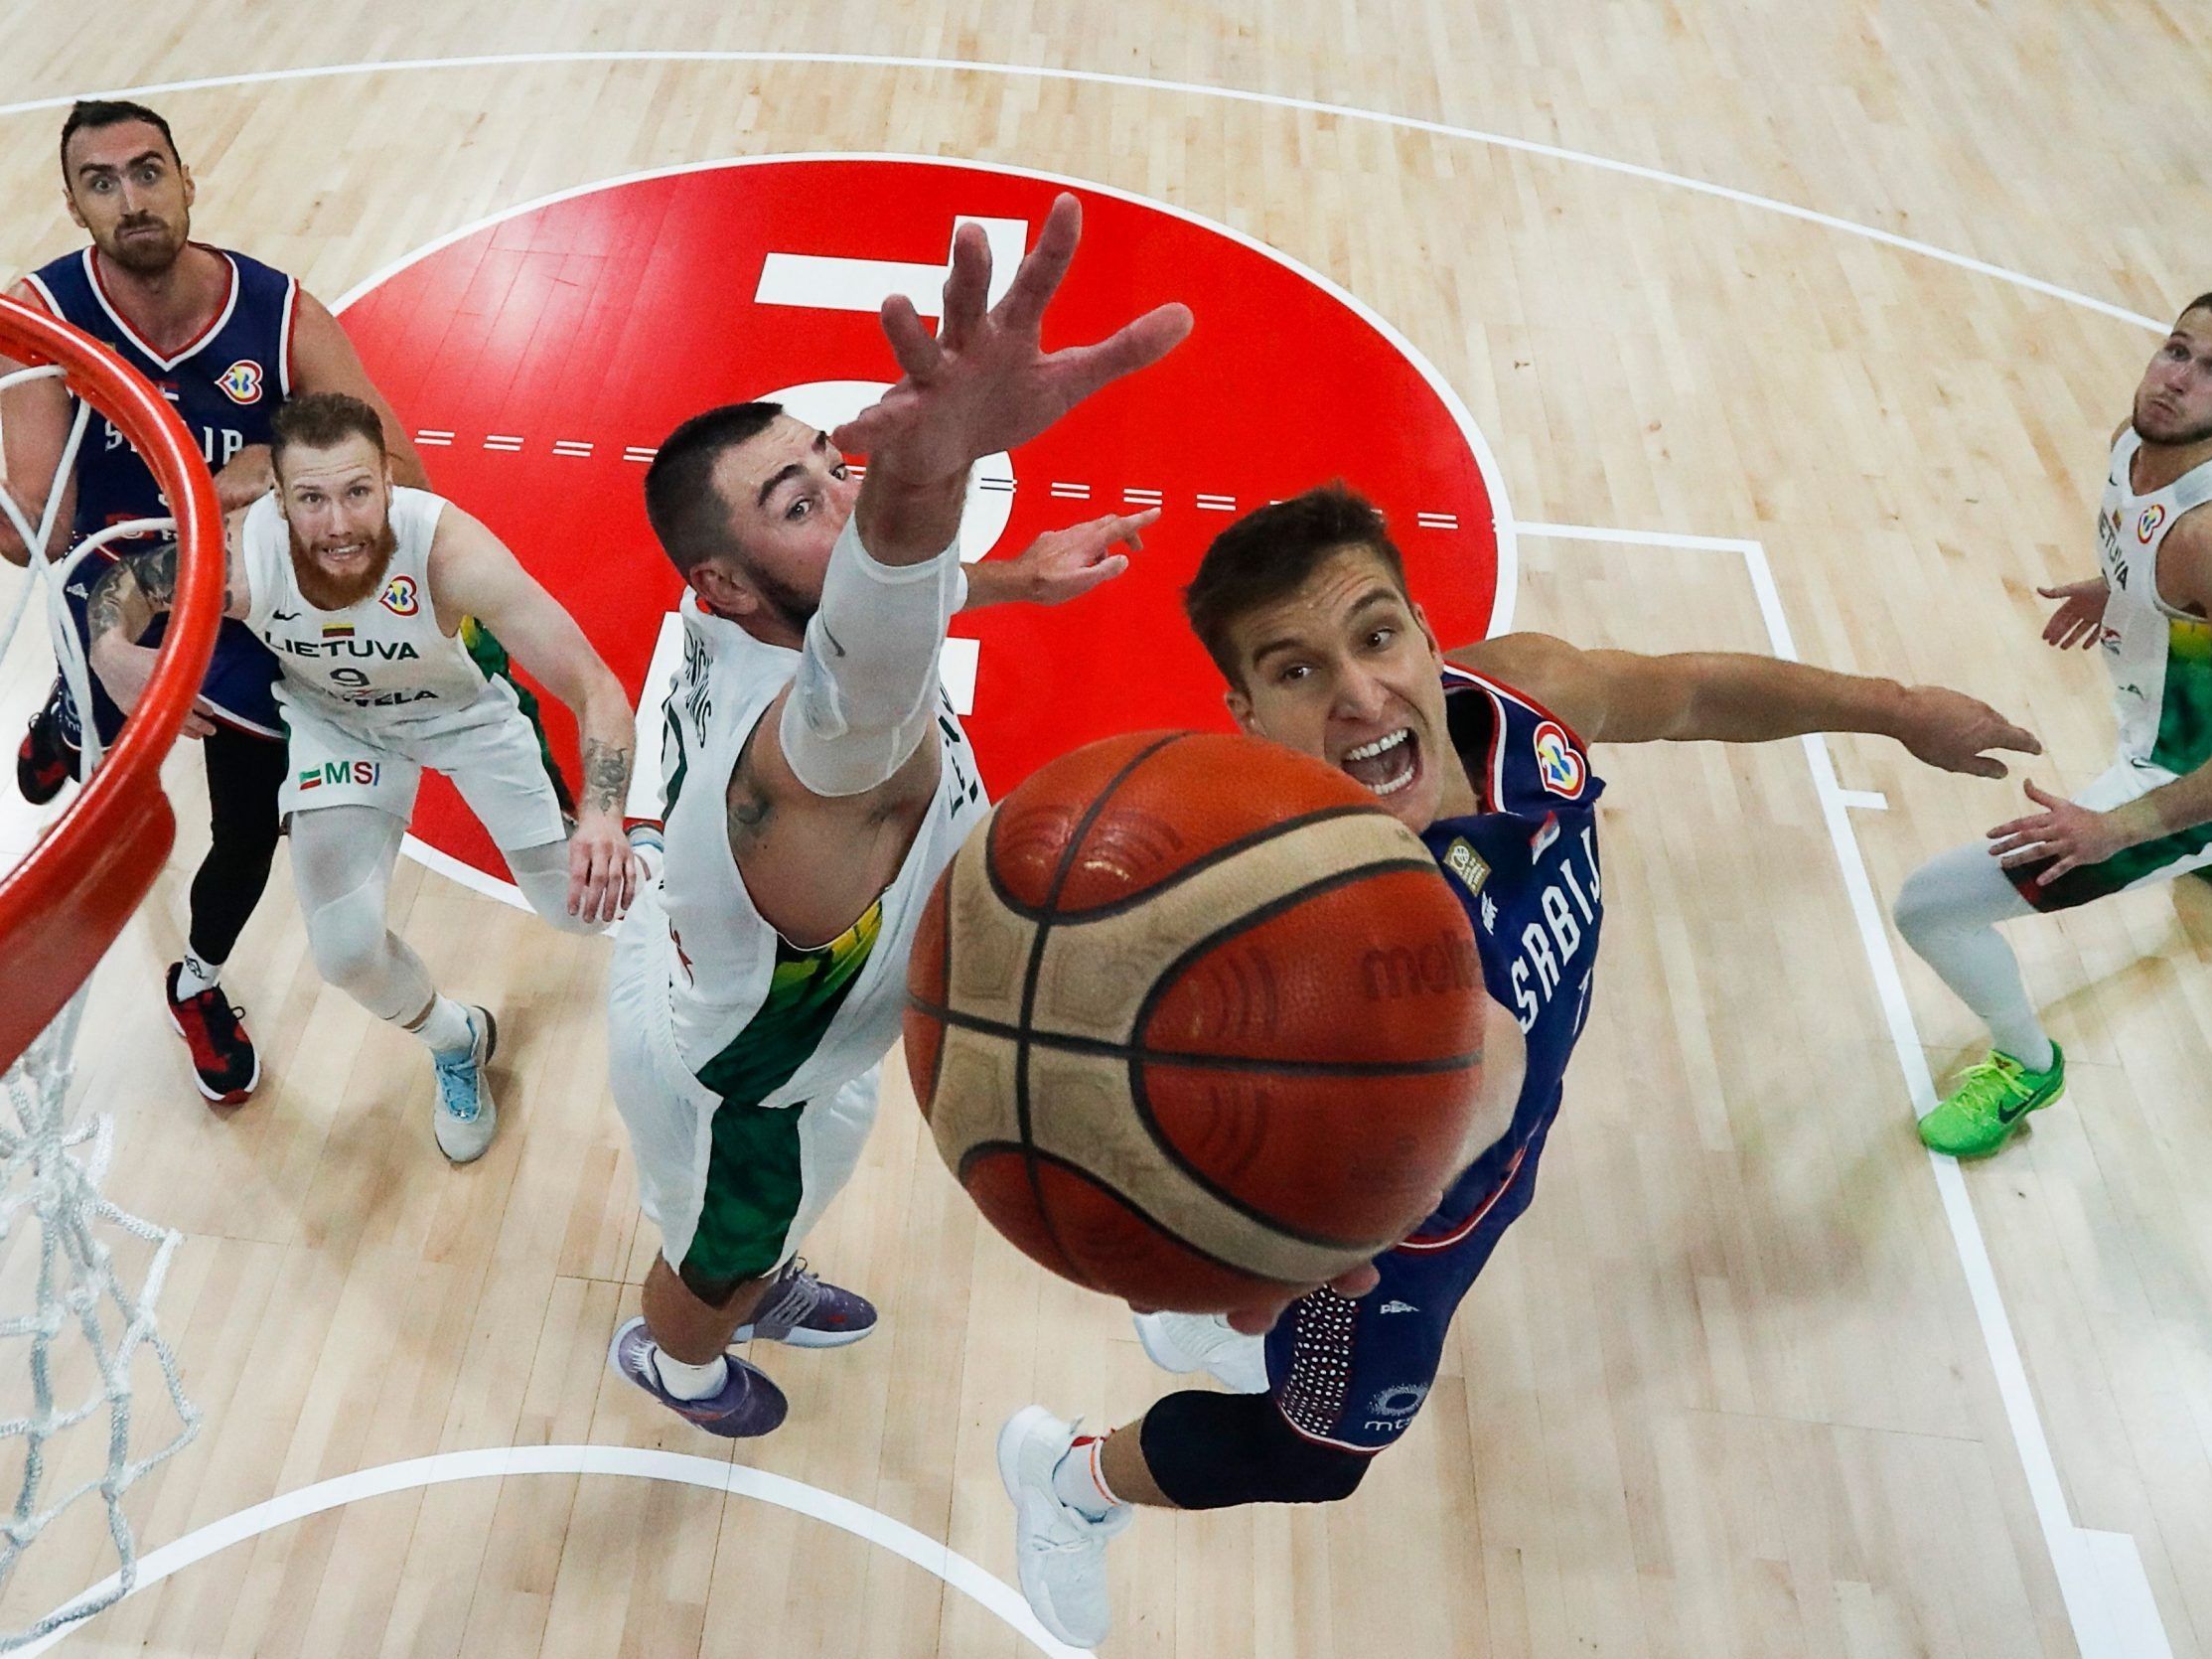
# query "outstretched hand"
(984, 383)
(1954, 731)
(1064, 564)
(2068, 833)
(2080, 617)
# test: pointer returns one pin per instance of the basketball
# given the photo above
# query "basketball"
(1192, 1021)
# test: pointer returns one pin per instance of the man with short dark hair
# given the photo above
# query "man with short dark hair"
(1305, 607)
(2147, 818)
(817, 782)
(229, 341)
(359, 587)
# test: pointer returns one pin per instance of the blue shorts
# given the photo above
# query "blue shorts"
(238, 687)
(1353, 1373)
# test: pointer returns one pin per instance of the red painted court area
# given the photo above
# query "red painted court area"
(541, 358)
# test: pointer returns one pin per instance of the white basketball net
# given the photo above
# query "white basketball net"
(51, 1174)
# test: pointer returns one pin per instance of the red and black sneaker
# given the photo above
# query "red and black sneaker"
(223, 1063)
(42, 764)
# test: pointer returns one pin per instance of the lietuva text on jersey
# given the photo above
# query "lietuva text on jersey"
(1525, 867)
(226, 385)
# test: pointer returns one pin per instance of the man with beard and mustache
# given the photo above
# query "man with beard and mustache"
(2149, 817)
(359, 587)
(229, 341)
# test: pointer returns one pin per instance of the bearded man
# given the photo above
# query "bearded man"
(359, 586)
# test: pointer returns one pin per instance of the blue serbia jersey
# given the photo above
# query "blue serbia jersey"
(1525, 867)
(225, 385)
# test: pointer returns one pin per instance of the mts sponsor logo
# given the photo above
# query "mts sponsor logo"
(362, 774)
(1446, 962)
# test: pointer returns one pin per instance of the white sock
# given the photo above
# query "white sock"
(446, 1027)
(690, 1382)
(197, 975)
(1078, 1478)
(1948, 911)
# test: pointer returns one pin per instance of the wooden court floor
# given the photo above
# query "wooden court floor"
(1754, 1378)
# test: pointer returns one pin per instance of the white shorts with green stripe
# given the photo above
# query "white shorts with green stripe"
(734, 1205)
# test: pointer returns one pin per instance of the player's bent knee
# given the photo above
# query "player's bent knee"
(1920, 903)
(348, 936)
(1217, 1450)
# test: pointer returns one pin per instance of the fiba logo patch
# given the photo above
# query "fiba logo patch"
(2148, 526)
(399, 596)
(1466, 863)
(1556, 762)
(242, 382)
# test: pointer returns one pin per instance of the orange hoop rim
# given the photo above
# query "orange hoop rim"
(63, 905)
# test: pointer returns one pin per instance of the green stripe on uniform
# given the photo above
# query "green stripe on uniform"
(755, 1182)
(2124, 868)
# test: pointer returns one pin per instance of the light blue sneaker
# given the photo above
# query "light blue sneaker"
(466, 1120)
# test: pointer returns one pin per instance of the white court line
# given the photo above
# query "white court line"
(2109, 1601)
(1145, 83)
(955, 1568)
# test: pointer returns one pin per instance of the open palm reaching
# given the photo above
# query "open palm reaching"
(984, 383)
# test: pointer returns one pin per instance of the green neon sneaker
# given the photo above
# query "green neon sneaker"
(1991, 1100)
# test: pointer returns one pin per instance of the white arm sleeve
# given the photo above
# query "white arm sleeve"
(866, 687)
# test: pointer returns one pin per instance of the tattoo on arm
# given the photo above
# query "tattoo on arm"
(150, 576)
(103, 612)
(748, 805)
(606, 775)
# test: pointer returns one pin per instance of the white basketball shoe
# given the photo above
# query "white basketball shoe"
(1204, 1342)
(465, 1120)
(1059, 1552)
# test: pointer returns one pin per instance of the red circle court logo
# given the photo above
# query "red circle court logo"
(538, 359)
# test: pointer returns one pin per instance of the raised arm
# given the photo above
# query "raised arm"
(1622, 697)
(860, 704)
(472, 573)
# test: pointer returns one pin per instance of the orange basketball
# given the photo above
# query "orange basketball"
(1194, 1020)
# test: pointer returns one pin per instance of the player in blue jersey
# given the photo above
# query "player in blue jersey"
(228, 340)
(1303, 607)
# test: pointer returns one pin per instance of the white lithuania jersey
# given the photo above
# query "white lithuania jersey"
(384, 658)
(2161, 659)
(756, 1017)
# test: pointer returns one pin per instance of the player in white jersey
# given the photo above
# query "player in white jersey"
(2149, 817)
(817, 784)
(360, 588)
